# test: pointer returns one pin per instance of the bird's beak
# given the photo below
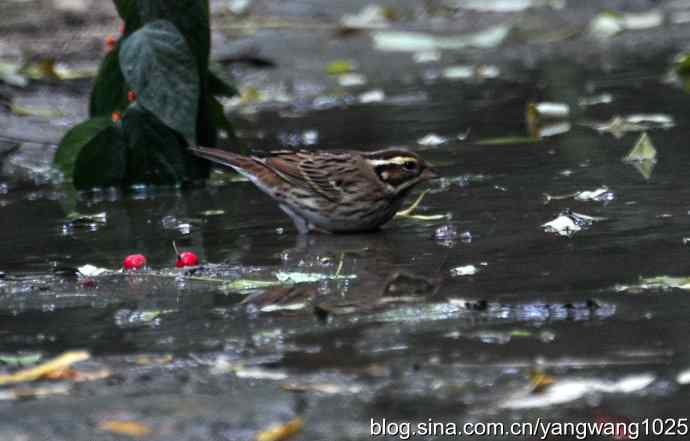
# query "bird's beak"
(429, 173)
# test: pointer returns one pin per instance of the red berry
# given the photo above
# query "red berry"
(88, 282)
(131, 96)
(186, 258)
(110, 42)
(134, 262)
(116, 117)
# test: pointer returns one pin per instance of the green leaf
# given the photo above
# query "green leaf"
(102, 161)
(157, 155)
(217, 114)
(191, 17)
(75, 139)
(128, 10)
(217, 86)
(159, 66)
(109, 92)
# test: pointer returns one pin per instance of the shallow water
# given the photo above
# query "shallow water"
(396, 335)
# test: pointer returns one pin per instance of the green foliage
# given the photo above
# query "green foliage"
(75, 140)
(102, 161)
(157, 154)
(156, 80)
(109, 93)
(158, 65)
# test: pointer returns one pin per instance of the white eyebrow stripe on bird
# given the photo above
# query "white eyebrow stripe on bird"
(397, 160)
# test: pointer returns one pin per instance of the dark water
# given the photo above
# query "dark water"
(396, 334)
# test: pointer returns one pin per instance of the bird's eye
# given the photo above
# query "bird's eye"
(409, 165)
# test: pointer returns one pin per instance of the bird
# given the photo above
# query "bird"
(326, 191)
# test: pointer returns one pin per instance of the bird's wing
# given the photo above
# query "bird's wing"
(325, 173)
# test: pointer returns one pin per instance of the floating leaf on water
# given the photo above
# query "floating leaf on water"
(467, 270)
(552, 110)
(299, 277)
(664, 282)
(283, 307)
(651, 120)
(157, 359)
(681, 64)
(250, 95)
(75, 217)
(281, 432)
(34, 373)
(131, 428)
(372, 96)
(605, 25)
(427, 56)
(324, 388)
(371, 17)
(683, 377)
(40, 69)
(40, 112)
(92, 271)
(403, 41)
(259, 373)
(65, 72)
(339, 67)
(432, 139)
(568, 223)
(598, 195)
(209, 213)
(520, 333)
(508, 140)
(352, 79)
(540, 380)
(568, 390)
(642, 20)
(643, 156)
(20, 359)
(239, 7)
(10, 74)
(248, 285)
(465, 72)
(619, 125)
(604, 98)
(553, 129)
(503, 6)
(458, 72)
(71, 374)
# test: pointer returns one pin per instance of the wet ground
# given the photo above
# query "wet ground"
(478, 315)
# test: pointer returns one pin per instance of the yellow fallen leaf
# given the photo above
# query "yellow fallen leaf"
(125, 427)
(540, 381)
(77, 375)
(338, 67)
(281, 432)
(31, 374)
(153, 359)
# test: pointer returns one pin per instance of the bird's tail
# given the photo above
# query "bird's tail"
(219, 156)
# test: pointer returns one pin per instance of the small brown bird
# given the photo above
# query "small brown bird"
(331, 191)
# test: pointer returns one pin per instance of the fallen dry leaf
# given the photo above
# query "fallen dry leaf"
(62, 362)
(77, 375)
(540, 381)
(125, 427)
(281, 432)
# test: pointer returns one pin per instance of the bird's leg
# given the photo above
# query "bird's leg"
(300, 223)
